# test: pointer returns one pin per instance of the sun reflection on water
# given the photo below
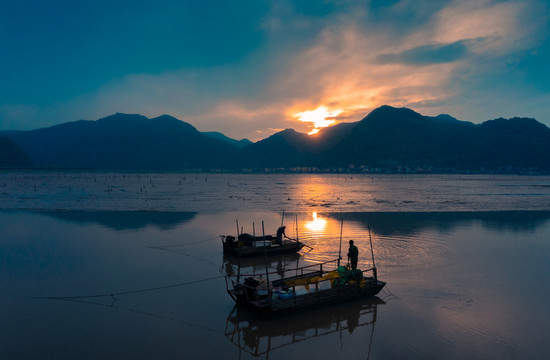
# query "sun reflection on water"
(317, 224)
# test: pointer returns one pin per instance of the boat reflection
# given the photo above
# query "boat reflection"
(259, 337)
(278, 264)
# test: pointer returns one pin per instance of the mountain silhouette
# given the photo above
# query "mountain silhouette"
(399, 136)
(284, 149)
(387, 139)
(12, 155)
(125, 142)
(218, 135)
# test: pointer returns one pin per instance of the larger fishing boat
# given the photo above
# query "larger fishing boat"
(313, 286)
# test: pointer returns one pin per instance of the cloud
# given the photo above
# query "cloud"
(452, 52)
(19, 116)
(427, 54)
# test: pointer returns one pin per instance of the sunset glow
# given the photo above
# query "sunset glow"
(318, 118)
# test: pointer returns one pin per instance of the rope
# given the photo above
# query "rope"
(144, 313)
(188, 255)
(386, 290)
(184, 244)
(127, 292)
(166, 248)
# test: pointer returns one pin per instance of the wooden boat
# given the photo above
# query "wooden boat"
(313, 286)
(249, 245)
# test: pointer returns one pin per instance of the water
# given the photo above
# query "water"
(461, 284)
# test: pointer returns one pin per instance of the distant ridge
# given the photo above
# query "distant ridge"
(218, 135)
(387, 140)
(124, 142)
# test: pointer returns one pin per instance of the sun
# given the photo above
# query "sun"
(318, 118)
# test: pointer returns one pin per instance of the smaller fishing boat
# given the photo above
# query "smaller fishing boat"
(245, 244)
(248, 245)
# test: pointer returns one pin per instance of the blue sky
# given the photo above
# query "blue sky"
(250, 68)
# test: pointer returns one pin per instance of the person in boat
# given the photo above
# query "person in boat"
(353, 255)
(280, 234)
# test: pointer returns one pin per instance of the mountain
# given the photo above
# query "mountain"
(12, 155)
(516, 142)
(387, 139)
(399, 138)
(445, 118)
(218, 135)
(125, 142)
(284, 149)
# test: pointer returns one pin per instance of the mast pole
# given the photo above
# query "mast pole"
(297, 228)
(265, 256)
(239, 251)
(340, 250)
(372, 255)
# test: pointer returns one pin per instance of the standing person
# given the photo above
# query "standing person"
(280, 234)
(353, 255)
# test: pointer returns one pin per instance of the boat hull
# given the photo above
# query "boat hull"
(272, 249)
(328, 297)
(307, 302)
(268, 303)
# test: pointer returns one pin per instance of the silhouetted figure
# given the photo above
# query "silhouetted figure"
(353, 255)
(280, 234)
(280, 268)
(353, 321)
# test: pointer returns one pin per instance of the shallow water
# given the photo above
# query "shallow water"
(459, 284)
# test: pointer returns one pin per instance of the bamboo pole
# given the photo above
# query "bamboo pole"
(297, 240)
(340, 250)
(265, 256)
(239, 251)
(372, 255)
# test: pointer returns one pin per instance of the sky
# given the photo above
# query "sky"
(251, 68)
